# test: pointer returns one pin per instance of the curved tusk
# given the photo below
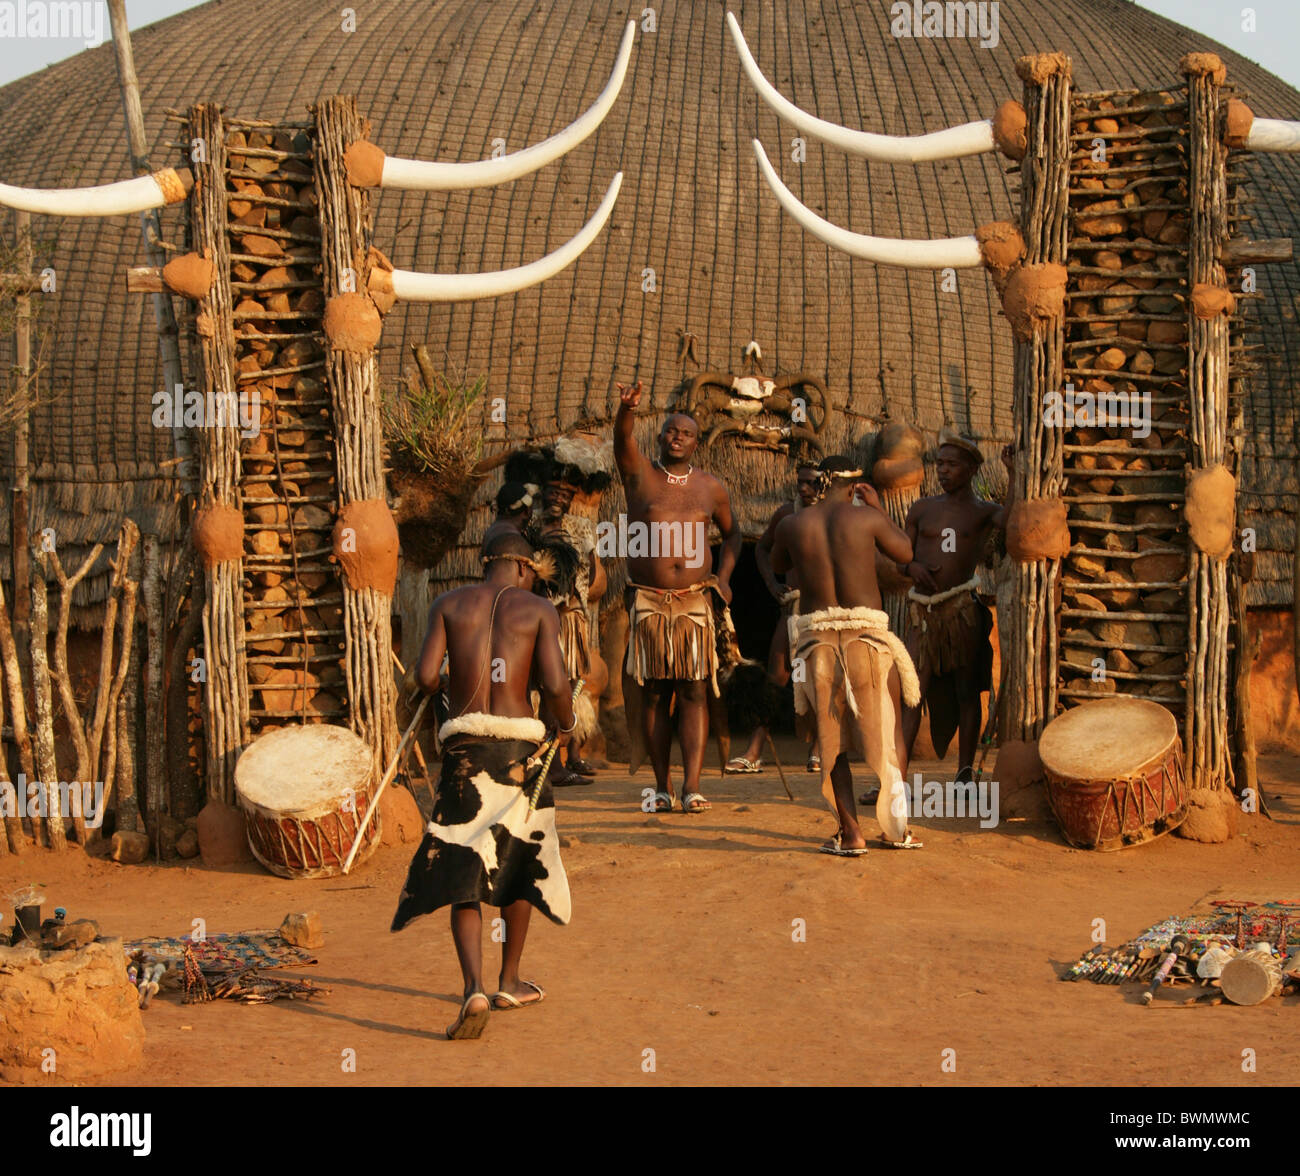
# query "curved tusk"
(416, 287)
(1273, 134)
(968, 139)
(429, 176)
(958, 252)
(144, 192)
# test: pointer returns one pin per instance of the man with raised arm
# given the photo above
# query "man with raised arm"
(484, 844)
(673, 599)
(849, 668)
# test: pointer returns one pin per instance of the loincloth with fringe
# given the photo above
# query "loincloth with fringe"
(846, 655)
(575, 641)
(682, 634)
(482, 843)
(949, 632)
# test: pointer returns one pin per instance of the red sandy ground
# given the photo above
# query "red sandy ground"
(681, 943)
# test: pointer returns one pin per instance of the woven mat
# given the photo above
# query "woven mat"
(1217, 922)
(225, 953)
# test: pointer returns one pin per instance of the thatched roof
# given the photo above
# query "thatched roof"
(444, 79)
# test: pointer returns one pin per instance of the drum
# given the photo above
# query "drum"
(304, 791)
(1251, 977)
(1114, 771)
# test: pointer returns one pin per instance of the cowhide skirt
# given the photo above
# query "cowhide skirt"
(482, 844)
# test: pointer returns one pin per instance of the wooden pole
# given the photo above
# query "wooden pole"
(155, 753)
(47, 766)
(1206, 725)
(225, 690)
(1039, 369)
(19, 543)
(353, 381)
(151, 227)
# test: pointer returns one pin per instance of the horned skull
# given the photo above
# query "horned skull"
(725, 404)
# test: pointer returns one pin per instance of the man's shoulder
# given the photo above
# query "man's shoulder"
(782, 512)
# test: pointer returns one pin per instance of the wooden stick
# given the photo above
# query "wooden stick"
(398, 756)
(776, 759)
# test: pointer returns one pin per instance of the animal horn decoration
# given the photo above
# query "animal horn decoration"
(1274, 134)
(371, 168)
(765, 436)
(973, 138)
(166, 186)
(941, 253)
(411, 286)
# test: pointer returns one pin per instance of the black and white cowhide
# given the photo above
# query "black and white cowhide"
(482, 844)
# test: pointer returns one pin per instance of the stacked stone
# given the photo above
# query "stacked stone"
(292, 596)
(1125, 579)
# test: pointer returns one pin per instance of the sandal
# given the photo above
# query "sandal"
(568, 779)
(582, 767)
(470, 1025)
(908, 842)
(738, 765)
(695, 802)
(836, 848)
(513, 1002)
(870, 796)
(814, 763)
(663, 802)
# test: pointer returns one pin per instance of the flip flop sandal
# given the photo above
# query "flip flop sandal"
(581, 767)
(469, 1026)
(870, 796)
(695, 802)
(739, 766)
(814, 763)
(908, 842)
(663, 802)
(836, 849)
(513, 1002)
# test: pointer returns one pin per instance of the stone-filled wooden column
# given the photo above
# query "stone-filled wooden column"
(1211, 488)
(1033, 295)
(218, 525)
(365, 535)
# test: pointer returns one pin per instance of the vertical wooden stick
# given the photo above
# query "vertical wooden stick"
(155, 753)
(46, 764)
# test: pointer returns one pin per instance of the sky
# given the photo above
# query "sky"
(1265, 31)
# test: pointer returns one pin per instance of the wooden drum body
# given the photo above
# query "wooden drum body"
(1114, 772)
(304, 791)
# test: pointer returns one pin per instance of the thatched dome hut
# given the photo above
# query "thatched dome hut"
(444, 80)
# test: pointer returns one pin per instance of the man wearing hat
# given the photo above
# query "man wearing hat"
(948, 626)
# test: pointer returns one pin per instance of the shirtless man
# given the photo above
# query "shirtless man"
(808, 488)
(671, 636)
(947, 625)
(849, 668)
(483, 844)
(514, 504)
(581, 660)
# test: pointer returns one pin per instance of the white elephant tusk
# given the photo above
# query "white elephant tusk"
(968, 139)
(416, 287)
(126, 196)
(957, 252)
(1273, 134)
(424, 175)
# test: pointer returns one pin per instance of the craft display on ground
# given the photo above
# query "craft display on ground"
(1242, 951)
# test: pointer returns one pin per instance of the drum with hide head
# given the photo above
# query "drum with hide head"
(304, 791)
(1114, 771)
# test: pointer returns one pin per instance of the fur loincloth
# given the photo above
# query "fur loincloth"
(483, 845)
(675, 633)
(950, 635)
(846, 656)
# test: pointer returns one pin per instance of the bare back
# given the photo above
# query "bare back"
(833, 545)
(493, 675)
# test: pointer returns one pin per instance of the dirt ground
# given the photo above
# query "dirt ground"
(683, 943)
